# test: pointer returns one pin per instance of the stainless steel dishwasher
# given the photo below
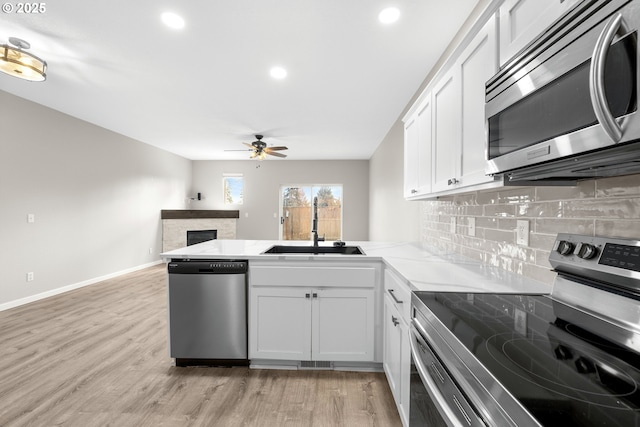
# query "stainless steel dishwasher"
(208, 312)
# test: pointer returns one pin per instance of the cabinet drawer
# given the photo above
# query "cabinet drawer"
(353, 277)
(399, 292)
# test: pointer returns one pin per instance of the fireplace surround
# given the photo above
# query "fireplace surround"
(176, 223)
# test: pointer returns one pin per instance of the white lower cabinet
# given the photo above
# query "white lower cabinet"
(342, 326)
(312, 323)
(396, 348)
(281, 324)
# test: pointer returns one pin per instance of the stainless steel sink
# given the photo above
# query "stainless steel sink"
(286, 249)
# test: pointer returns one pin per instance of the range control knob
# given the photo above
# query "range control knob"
(587, 251)
(565, 248)
(563, 353)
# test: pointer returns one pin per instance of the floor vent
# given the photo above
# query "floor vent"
(316, 365)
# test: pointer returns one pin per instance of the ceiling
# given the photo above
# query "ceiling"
(206, 88)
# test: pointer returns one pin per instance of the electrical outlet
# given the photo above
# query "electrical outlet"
(31, 218)
(30, 276)
(452, 227)
(471, 223)
(522, 232)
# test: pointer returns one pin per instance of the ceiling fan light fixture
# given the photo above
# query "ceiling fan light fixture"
(18, 63)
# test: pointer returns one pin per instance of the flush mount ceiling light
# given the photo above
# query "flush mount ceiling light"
(18, 63)
(389, 15)
(173, 20)
(278, 73)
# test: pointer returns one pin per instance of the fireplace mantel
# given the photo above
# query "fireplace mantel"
(176, 223)
(195, 213)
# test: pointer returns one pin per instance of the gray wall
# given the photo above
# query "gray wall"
(262, 189)
(96, 196)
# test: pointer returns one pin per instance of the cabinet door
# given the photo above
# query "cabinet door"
(477, 64)
(397, 357)
(446, 131)
(343, 325)
(392, 348)
(280, 323)
(411, 150)
(521, 21)
(424, 154)
(417, 154)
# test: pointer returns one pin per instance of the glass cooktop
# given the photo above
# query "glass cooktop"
(558, 370)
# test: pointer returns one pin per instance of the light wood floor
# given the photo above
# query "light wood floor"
(98, 356)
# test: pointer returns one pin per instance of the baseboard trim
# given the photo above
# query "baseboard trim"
(57, 291)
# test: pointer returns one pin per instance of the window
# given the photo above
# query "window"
(233, 189)
(296, 209)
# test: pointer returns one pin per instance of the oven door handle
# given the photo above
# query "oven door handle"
(596, 78)
(439, 400)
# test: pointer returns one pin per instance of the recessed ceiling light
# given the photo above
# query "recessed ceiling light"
(389, 15)
(278, 73)
(172, 20)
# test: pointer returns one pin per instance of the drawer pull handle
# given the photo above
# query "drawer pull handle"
(307, 295)
(395, 321)
(394, 297)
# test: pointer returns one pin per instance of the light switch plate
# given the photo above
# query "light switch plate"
(522, 232)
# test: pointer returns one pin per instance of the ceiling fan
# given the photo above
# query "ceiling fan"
(260, 150)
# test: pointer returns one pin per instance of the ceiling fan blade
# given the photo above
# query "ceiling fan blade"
(244, 149)
(248, 145)
(276, 148)
(275, 154)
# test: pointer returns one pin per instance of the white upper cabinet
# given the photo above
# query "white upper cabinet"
(417, 146)
(446, 130)
(523, 20)
(477, 64)
(445, 136)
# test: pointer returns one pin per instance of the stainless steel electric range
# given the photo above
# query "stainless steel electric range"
(571, 358)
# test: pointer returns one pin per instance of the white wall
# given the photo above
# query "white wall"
(96, 196)
(262, 188)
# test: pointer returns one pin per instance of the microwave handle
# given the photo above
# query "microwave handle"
(596, 78)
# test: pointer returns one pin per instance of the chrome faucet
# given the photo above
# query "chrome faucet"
(314, 230)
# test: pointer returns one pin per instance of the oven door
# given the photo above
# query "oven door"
(573, 91)
(435, 399)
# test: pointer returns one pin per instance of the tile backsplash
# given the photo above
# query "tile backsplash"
(601, 207)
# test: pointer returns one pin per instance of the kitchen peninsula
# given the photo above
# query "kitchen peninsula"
(346, 312)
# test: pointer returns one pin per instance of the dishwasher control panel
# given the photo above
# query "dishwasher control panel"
(207, 266)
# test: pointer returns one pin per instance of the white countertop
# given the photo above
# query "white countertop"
(425, 269)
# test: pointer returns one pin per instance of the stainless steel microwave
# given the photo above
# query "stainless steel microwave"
(566, 106)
